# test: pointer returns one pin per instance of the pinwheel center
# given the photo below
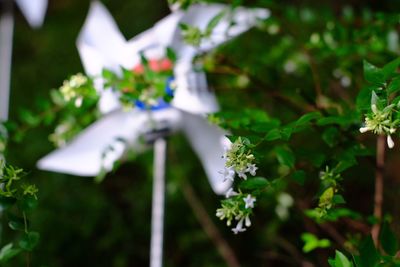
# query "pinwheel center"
(146, 101)
(160, 103)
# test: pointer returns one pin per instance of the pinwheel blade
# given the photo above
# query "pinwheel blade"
(209, 143)
(34, 11)
(162, 34)
(193, 93)
(98, 147)
(102, 35)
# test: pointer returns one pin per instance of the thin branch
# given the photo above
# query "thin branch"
(378, 197)
(357, 225)
(232, 69)
(209, 227)
(331, 230)
(315, 74)
(294, 253)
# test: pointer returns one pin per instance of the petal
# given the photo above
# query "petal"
(390, 142)
(248, 222)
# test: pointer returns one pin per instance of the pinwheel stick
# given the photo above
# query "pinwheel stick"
(6, 40)
(157, 216)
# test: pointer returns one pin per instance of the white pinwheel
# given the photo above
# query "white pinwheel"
(101, 45)
(34, 12)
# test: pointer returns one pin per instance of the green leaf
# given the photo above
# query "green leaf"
(363, 101)
(28, 203)
(285, 156)
(299, 177)
(171, 55)
(326, 197)
(272, 135)
(254, 183)
(7, 252)
(390, 68)
(331, 136)
(388, 240)
(311, 242)
(373, 74)
(29, 118)
(338, 199)
(336, 213)
(394, 86)
(317, 159)
(214, 22)
(17, 224)
(108, 75)
(184, 26)
(340, 120)
(263, 127)
(29, 241)
(305, 119)
(286, 132)
(369, 256)
(144, 60)
(345, 164)
(340, 260)
(57, 97)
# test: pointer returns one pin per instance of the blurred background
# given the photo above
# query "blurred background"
(108, 224)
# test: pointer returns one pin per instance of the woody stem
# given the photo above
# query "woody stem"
(378, 197)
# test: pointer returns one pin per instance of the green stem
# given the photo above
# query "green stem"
(28, 255)
(25, 222)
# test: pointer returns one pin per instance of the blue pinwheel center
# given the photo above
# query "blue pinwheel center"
(161, 103)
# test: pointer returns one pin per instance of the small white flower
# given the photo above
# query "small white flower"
(345, 81)
(390, 142)
(78, 102)
(282, 212)
(228, 173)
(220, 214)
(250, 157)
(231, 193)
(251, 168)
(364, 129)
(290, 66)
(239, 227)
(242, 174)
(285, 199)
(247, 221)
(249, 201)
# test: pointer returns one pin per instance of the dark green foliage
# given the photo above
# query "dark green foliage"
(297, 89)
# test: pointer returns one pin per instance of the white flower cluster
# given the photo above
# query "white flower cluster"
(68, 89)
(61, 132)
(285, 201)
(239, 160)
(237, 207)
(148, 97)
(380, 122)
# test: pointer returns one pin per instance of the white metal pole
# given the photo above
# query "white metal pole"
(157, 216)
(6, 41)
